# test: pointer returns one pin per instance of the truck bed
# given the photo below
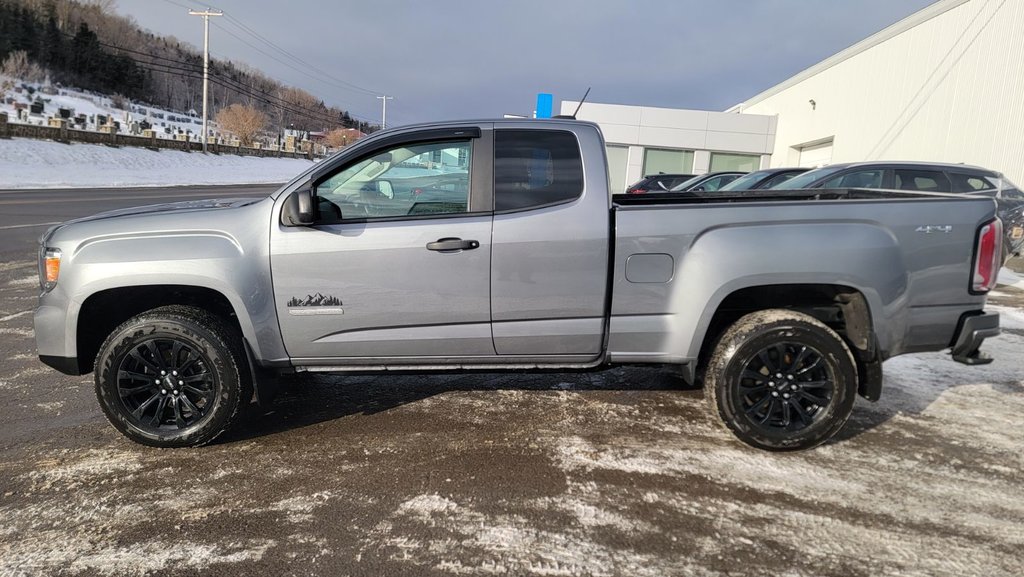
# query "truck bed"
(678, 258)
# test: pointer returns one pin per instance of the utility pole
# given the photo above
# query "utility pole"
(384, 112)
(206, 60)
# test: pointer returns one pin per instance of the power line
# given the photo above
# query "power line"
(323, 117)
(320, 73)
(182, 66)
(317, 74)
(355, 87)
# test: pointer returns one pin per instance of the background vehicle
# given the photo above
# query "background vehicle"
(783, 303)
(707, 182)
(760, 179)
(661, 182)
(927, 177)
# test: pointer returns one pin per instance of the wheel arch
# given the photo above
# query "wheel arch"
(103, 311)
(845, 309)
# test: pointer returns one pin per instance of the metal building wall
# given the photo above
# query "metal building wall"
(945, 84)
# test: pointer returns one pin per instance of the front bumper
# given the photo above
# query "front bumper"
(972, 330)
(52, 343)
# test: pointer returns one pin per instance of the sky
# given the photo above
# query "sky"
(451, 59)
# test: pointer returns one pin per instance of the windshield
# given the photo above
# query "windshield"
(688, 183)
(806, 179)
(747, 181)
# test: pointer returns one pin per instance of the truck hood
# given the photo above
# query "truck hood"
(213, 203)
(188, 205)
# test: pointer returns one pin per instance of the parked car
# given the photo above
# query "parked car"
(660, 182)
(709, 182)
(760, 179)
(783, 305)
(928, 177)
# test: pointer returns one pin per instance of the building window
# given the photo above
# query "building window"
(658, 160)
(721, 162)
(618, 157)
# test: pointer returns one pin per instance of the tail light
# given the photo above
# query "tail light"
(636, 191)
(987, 257)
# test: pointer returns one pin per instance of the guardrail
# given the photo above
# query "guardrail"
(62, 133)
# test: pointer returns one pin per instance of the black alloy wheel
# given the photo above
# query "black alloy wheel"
(166, 384)
(785, 386)
(174, 376)
(781, 380)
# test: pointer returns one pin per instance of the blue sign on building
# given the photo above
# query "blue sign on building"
(544, 104)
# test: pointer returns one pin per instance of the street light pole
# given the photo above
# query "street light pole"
(206, 60)
(384, 112)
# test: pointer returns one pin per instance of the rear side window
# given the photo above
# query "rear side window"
(777, 179)
(858, 179)
(968, 182)
(923, 180)
(534, 168)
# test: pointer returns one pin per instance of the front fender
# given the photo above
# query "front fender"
(207, 259)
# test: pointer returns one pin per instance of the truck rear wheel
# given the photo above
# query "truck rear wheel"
(172, 377)
(781, 380)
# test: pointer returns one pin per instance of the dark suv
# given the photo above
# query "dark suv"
(709, 182)
(927, 177)
(660, 182)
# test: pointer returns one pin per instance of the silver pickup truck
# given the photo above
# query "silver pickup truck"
(495, 245)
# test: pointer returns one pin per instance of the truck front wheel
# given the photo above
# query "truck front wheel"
(781, 380)
(172, 377)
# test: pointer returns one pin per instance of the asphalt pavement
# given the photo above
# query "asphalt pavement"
(617, 472)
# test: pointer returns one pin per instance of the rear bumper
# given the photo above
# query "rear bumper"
(972, 330)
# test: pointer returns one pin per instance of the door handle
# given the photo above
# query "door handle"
(452, 244)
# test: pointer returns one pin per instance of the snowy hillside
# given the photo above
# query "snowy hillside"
(84, 104)
(45, 164)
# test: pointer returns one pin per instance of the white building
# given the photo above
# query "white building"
(645, 140)
(945, 84)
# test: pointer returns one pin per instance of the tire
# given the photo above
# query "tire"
(806, 406)
(203, 389)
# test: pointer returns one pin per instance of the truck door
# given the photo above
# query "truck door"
(398, 262)
(549, 260)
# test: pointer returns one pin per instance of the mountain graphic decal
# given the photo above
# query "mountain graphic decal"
(317, 300)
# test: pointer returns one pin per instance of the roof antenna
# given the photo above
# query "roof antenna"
(582, 100)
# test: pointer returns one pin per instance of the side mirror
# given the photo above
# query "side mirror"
(298, 208)
(699, 188)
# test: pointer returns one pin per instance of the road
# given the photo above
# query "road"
(618, 472)
(25, 214)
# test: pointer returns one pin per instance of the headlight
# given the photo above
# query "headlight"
(50, 269)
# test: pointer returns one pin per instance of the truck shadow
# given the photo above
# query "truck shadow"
(310, 399)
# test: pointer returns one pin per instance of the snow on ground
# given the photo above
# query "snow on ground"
(26, 163)
(1009, 278)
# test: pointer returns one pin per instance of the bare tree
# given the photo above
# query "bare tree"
(17, 65)
(244, 122)
(341, 137)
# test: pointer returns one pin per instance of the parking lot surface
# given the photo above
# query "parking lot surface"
(618, 472)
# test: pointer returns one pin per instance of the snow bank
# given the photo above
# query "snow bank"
(1009, 278)
(26, 163)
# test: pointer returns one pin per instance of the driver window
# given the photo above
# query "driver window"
(407, 180)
